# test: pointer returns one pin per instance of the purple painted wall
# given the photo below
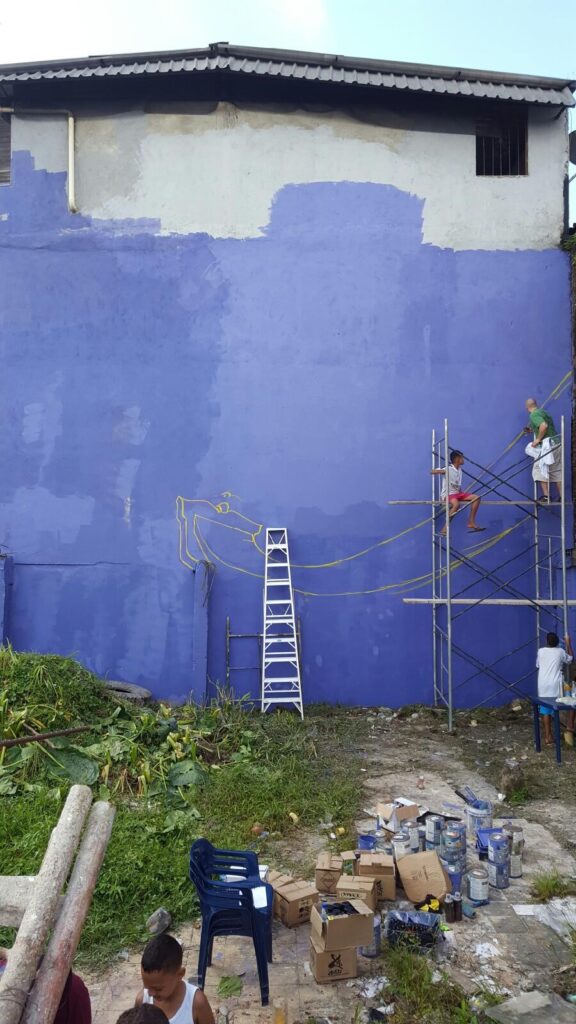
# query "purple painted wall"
(290, 380)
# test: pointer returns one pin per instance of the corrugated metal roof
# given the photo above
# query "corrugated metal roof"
(308, 66)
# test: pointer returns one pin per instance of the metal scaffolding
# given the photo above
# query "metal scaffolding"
(547, 552)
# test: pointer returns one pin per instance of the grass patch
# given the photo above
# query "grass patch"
(175, 774)
(418, 997)
(519, 796)
(548, 884)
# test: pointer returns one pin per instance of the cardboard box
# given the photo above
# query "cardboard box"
(293, 898)
(328, 871)
(381, 867)
(391, 815)
(333, 965)
(357, 888)
(422, 875)
(349, 859)
(345, 931)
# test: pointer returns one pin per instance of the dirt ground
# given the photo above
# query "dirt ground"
(411, 754)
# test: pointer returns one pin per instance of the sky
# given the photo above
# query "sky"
(526, 36)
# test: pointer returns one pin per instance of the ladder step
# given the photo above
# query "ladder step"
(293, 680)
(280, 644)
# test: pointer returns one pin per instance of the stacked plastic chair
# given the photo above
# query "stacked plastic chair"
(227, 907)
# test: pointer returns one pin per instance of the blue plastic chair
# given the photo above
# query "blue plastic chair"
(227, 908)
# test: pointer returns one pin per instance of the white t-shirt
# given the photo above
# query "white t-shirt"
(454, 481)
(550, 662)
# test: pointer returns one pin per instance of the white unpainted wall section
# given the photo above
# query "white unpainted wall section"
(219, 172)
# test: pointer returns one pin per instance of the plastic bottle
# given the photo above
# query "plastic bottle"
(324, 911)
(457, 901)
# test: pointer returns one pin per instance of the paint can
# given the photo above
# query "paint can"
(374, 948)
(478, 885)
(453, 847)
(411, 827)
(434, 829)
(454, 872)
(477, 817)
(498, 848)
(516, 865)
(401, 845)
(382, 840)
(515, 835)
(367, 841)
(499, 875)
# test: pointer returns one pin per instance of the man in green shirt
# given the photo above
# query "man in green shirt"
(547, 464)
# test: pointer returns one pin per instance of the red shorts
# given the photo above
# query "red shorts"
(461, 496)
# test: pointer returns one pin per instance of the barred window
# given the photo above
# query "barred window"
(501, 147)
(5, 149)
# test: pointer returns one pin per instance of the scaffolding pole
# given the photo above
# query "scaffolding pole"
(448, 577)
(434, 594)
(443, 600)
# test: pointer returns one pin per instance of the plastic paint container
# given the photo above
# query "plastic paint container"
(367, 841)
(478, 817)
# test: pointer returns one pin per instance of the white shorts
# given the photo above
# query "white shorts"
(554, 470)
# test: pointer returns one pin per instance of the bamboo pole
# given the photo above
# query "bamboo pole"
(44, 998)
(39, 915)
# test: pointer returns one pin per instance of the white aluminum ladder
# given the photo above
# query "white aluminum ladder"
(281, 682)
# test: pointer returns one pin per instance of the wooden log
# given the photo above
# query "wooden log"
(39, 915)
(44, 999)
(37, 737)
(15, 893)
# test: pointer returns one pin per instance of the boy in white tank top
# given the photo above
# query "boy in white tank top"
(165, 986)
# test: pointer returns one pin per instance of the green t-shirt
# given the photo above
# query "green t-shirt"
(538, 416)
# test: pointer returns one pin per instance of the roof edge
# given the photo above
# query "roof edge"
(298, 57)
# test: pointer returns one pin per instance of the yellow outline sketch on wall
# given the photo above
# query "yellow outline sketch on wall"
(205, 510)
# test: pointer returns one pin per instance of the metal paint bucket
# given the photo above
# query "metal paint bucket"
(516, 865)
(499, 875)
(515, 838)
(478, 885)
(498, 848)
(401, 845)
(454, 872)
(411, 827)
(453, 847)
(478, 817)
(434, 829)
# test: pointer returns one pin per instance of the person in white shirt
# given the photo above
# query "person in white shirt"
(456, 495)
(550, 662)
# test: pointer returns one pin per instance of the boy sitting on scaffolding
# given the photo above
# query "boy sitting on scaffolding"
(456, 496)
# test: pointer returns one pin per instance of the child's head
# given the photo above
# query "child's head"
(552, 639)
(456, 458)
(146, 1014)
(161, 967)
